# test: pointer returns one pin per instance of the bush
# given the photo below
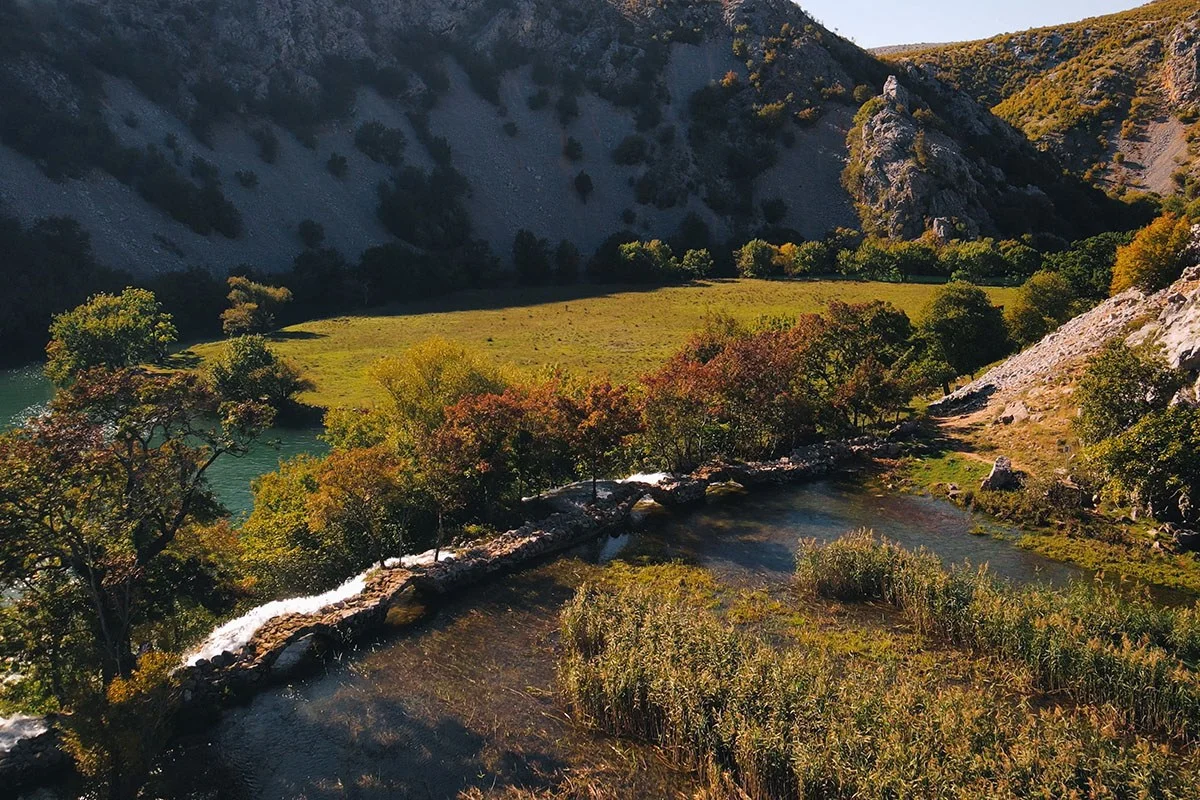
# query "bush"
(248, 370)
(252, 306)
(337, 165)
(311, 232)
(632, 150)
(268, 143)
(1155, 464)
(531, 258)
(380, 143)
(573, 150)
(583, 186)
(1119, 387)
(1156, 256)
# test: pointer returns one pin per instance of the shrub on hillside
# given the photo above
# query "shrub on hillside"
(1043, 302)
(1121, 386)
(1156, 256)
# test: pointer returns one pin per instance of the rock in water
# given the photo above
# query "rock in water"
(1002, 477)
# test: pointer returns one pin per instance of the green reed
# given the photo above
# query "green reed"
(805, 724)
(1088, 640)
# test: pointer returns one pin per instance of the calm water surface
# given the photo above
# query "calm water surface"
(26, 391)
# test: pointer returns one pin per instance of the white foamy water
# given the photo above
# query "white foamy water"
(652, 478)
(14, 729)
(237, 633)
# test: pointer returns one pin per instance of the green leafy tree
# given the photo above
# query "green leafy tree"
(252, 306)
(757, 259)
(531, 258)
(1119, 387)
(109, 331)
(249, 370)
(425, 380)
(1043, 302)
(968, 327)
(1155, 464)
(104, 503)
(697, 264)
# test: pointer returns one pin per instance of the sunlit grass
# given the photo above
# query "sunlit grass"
(614, 331)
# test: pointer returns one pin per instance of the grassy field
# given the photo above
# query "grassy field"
(615, 331)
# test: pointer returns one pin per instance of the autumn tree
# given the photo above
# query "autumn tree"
(425, 380)
(103, 503)
(1156, 256)
(252, 306)
(605, 418)
(111, 331)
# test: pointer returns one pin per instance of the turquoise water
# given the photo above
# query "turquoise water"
(24, 391)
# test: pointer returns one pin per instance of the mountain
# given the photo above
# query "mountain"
(1116, 98)
(204, 132)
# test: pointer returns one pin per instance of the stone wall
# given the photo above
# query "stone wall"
(209, 684)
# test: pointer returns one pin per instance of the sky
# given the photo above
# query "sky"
(872, 23)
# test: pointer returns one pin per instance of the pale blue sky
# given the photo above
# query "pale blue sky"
(871, 23)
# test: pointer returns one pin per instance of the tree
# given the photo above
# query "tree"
(311, 232)
(531, 258)
(968, 327)
(249, 370)
(1155, 464)
(573, 150)
(606, 419)
(103, 504)
(1121, 386)
(252, 306)
(584, 186)
(697, 264)
(756, 259)
(1156, 256)
(646, 262)
(425, 380)
(110, 331)
(567, 260)
(1043, 302)
(369, 506)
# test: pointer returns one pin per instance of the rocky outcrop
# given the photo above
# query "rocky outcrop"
(1002, 478)
(908, 174)
(208, 683)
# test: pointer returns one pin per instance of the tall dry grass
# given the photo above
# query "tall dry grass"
(1089, 641)
(805, 724)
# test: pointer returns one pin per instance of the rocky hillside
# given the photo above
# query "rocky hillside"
(1115, 97)
(203, 132)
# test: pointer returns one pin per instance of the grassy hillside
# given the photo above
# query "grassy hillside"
(1123, 83)
(622, 333)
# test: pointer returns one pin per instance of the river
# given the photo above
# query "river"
(24, 391)
(466, 697)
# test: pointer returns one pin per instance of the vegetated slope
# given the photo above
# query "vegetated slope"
(181, 133)
(1115, 97)
(622, 334)
(1024, 407)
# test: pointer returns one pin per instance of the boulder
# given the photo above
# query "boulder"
(1002, 477)
(1014, 412)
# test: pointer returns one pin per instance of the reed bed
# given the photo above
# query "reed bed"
(1089, 641)
(804, 724)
